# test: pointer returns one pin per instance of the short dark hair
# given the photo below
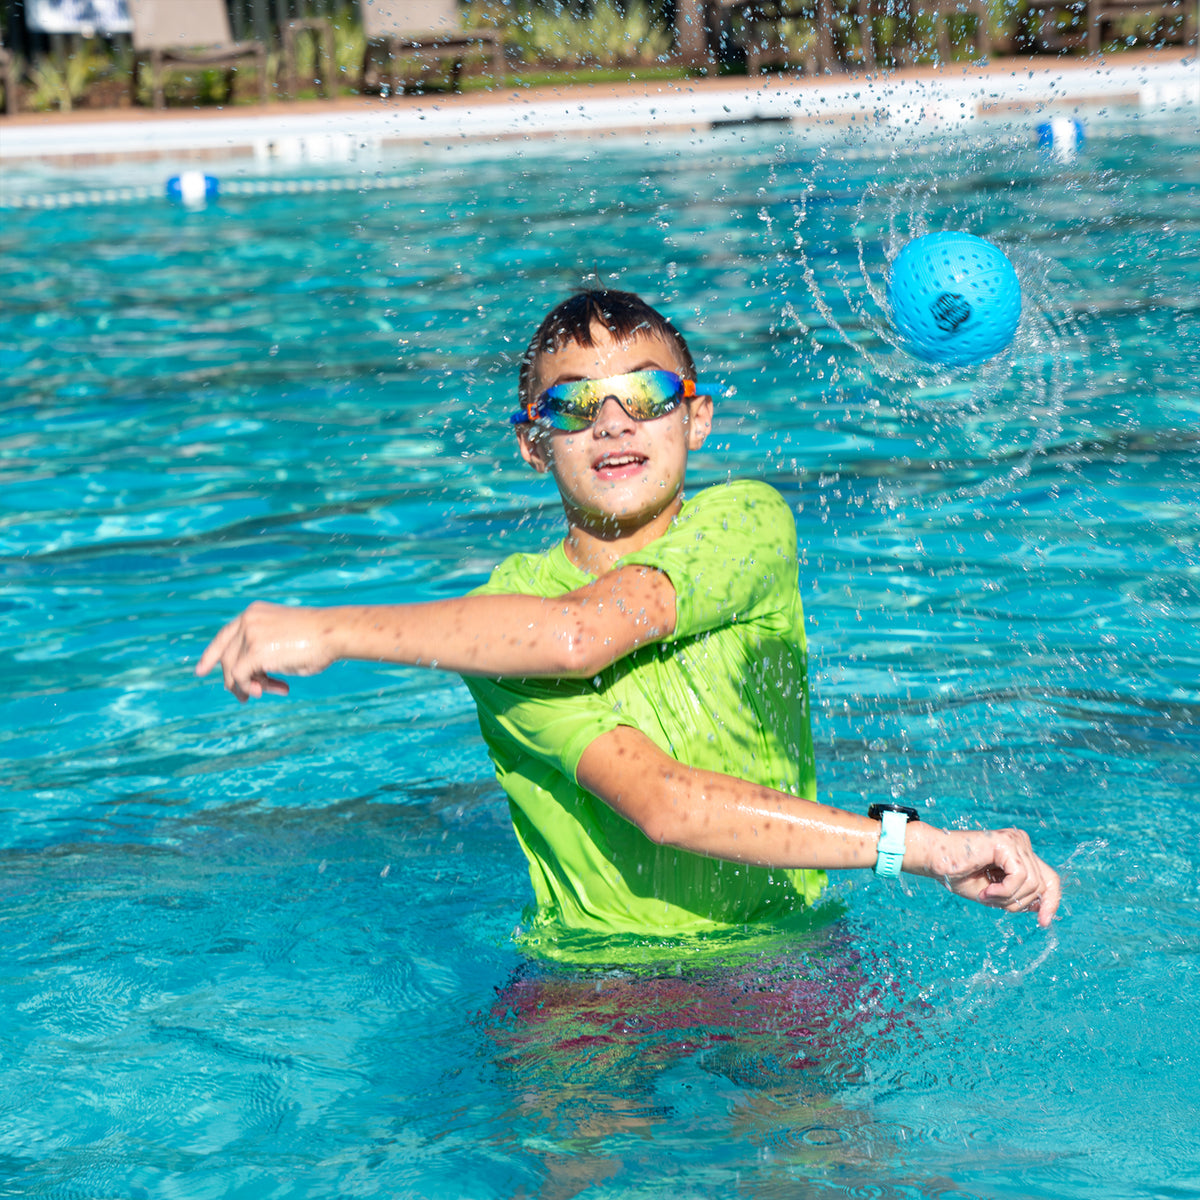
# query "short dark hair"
(623, 314)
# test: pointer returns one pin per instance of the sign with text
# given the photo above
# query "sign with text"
(88, 17)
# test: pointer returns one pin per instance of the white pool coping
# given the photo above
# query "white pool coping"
(315, 131)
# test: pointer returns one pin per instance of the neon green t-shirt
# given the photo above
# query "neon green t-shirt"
(727, 691)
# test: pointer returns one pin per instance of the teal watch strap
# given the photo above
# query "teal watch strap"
(891, 844)
(895, 819)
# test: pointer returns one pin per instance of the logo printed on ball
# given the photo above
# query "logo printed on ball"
(950, 310)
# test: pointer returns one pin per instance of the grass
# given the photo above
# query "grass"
(566, 76)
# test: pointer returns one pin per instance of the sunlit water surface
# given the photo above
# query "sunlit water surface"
(267, 950)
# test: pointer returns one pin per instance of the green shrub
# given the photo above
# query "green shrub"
(61, 82)
(607, 36)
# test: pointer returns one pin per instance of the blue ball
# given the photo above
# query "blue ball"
(955, 298)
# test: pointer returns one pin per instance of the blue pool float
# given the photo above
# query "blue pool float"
(193, 188)
(1061, 137)
(955, 298)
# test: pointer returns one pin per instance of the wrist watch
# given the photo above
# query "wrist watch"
(895, 818)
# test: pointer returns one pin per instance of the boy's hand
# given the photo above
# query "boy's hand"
(994, 867)
(269, 638)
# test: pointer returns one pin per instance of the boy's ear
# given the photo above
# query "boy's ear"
(699, 424)
(533, 448)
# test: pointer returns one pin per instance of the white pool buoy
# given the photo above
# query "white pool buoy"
(193, 189)
(1061, 137)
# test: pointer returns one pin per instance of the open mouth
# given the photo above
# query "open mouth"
(612, 464)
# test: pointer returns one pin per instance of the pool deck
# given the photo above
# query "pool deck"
(329, 130)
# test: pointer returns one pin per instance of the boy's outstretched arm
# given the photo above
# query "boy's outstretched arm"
(724, 817)
(575, 635)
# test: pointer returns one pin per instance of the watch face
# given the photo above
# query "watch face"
(875, 811)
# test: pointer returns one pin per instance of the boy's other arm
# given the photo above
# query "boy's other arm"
(570, 636)
(724, 817)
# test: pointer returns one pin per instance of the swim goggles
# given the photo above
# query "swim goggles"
(575, 405)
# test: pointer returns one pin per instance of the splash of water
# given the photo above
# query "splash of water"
(1010, 406)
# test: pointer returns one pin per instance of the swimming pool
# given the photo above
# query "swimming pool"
(266, 951)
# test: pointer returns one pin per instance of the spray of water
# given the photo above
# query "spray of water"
(1012, 404)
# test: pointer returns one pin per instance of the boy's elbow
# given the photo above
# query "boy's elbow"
(658, 827)
(657, 814)
(583, 655)
(641, 782)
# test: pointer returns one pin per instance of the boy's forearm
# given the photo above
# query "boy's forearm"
(574, 635)
(570, 636)
(729, 818)
(491, 635)
(719, 815)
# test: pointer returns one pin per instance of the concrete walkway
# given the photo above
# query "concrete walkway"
(918, 101)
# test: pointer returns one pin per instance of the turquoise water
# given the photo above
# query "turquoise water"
(267, 950)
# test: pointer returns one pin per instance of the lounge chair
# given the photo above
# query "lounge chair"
(188, 33)
(909, 11)
(1174, 17)
(320, 32)
(1053, 26)
(942, 10)
(425, 29)
(770, 34)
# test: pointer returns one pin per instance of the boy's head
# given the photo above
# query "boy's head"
(576, 321)
(618, 458)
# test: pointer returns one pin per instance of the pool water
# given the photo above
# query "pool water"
(268, 950)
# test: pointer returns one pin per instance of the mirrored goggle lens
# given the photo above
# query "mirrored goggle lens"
(572, 406)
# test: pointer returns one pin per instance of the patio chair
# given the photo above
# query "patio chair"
(941, 11)
(1174, 20)
(188, 33)
(8, 66)
(425, 29)
(772, 36)
(769, 33)
(320, 32)
(1053, 26)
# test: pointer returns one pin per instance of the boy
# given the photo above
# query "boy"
(642, 686)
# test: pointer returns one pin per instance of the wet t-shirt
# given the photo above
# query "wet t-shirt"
(726, 692)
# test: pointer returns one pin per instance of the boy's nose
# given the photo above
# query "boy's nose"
(612, 418)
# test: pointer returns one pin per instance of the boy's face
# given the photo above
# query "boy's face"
(619, 474)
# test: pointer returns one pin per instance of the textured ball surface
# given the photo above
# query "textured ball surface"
(955, 298)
